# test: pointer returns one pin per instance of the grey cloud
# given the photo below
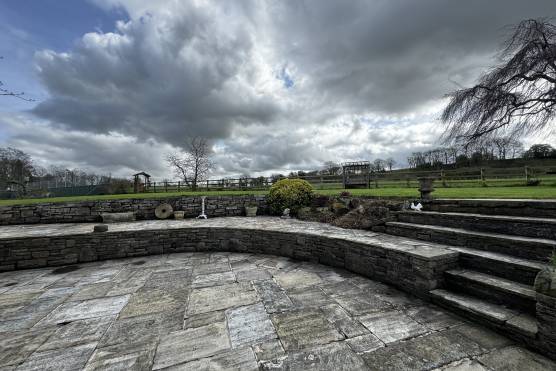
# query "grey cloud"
(392, 56)
(212, 69)
(163, 76)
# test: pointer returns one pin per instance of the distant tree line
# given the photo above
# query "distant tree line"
(329, 168)
(18, 171)
(476, 153)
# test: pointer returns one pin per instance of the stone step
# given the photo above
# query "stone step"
(515, 324)
(513, 225)
(494, 289)
(510, 267)
(525, 247)
(534, 208)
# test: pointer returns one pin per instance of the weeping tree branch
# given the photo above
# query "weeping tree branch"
(7, 92)
(518, 96)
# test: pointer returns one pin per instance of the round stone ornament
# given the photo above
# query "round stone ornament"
(163, 211)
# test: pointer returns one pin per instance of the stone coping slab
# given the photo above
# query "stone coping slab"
(486, 217)
(419, 249)
(487, 200)
(515, 207)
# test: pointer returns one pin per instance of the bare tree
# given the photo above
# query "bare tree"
(452, 153)
(15, 166)
(519, 95)
(244, 180)
(379, 165)
(515, 148)
(390, 162)
(332, 168)
(193, 165)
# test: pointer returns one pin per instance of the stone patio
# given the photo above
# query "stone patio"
(202, 311)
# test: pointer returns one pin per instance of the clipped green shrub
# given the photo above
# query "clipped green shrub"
(290, 194)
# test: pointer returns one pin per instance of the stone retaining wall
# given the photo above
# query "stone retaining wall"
(89, 211)
(414, 273)
(546, 319)
(545, 287)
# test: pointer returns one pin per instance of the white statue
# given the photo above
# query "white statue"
(203, 215)
(417, 207)
(286, 214)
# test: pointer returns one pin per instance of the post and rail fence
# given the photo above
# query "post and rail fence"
(463, 177)
(387, 179)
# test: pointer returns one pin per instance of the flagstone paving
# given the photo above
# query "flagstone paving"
(226, 311)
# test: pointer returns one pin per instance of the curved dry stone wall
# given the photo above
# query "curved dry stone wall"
(411, 265)
(89, 211)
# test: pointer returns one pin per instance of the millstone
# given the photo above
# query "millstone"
(163, 211)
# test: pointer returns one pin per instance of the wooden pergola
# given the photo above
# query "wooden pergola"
(138, 185)
(356, 174)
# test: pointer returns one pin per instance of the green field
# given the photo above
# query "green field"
(539, 192)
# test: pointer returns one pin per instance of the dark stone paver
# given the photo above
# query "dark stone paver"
(392, 326)
(204, 311)
(248, 325)
(190, 344)
(302, 328)
(333, 356)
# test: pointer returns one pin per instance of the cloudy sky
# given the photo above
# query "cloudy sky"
(275, 85)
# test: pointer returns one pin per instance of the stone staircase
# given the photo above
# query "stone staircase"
(500, 255)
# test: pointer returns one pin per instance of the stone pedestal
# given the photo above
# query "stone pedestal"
(545, 286)
(426, 187)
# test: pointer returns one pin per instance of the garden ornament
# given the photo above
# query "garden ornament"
(202, 215)
(417, 207)
(163, 211)
(286, 214)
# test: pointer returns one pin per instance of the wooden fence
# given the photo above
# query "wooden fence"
(388, 179)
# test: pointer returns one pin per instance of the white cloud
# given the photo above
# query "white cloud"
(112, 153)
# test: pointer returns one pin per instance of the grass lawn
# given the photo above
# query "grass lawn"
(539, 192)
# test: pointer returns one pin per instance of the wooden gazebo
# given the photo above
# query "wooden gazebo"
(140, 185)
(356, 174)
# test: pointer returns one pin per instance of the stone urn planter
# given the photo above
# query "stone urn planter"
(179, 214)
(251, 210)
(426, 187)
